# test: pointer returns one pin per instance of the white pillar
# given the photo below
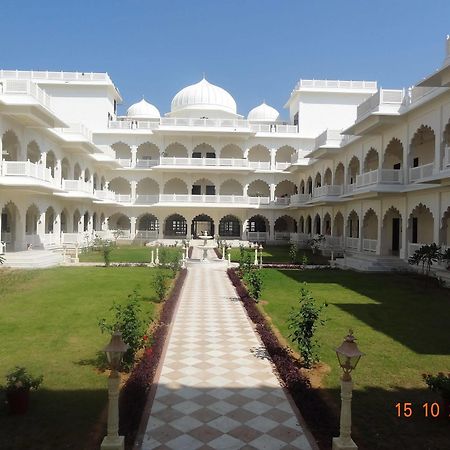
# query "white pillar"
(272, 192)
(58, 172)
(133, 221)
(40, 228)
(344, 441)
(133, 191)
(133, 155)
(273, 163)
(57, 229)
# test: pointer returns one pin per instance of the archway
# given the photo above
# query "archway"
(204, 151)
(203, 186)
(258, 188)
(259, 157)
(230, 227)
(120, 186)
(284, 154)
(147, 190)
(284, 226)
(51, 162)
(64, 217)
(50, 218)
(175, 186)
(353, 170)
(147, 227)
(147, 155)
(65, 169)
(326, 226)
(422, 147)
(339, 175)
(420, 226)
(308, 225)
(123, 151)
(338, 225)
(120, 222)
(371, 160)
(393, 155)
(231, 151)
(33, 152)
(231, 187)
(201, 224)
(10, 220)
(175, 226)
(370, 231)
(317, 224)
(10, 146)
(285, 188)
(328, 177)
(176, 150)
(444, 232)
(318, 180)
(76, 221)
(257, 228)
(391, 233)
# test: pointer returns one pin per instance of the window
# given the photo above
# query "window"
(196, 155)
(414, 230)
(210, 190)
(196, 190)
(210, 155)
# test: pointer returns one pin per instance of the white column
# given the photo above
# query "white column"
(57, 228)
(272, 230)
(19, 234)
(133, 221)
(379, 226)
(58, 172)
(133, 191)
(272, 192)
(133, 155)
(40, 228)
(273, 153)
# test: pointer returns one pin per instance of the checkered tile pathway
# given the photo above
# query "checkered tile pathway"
(217, 389)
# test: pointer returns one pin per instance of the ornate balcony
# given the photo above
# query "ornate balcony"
(327, 191)
(379, 176)
(77, 186)
(352, 243)
(299, 199)
(420, 172)
(27, 169)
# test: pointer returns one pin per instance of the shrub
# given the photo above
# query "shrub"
(303, 323)
(426, 255)
(293, 253)
(164, 257)
(160, 285)
(20, 379)
(446, 257)
(107, 248)
(304, 259)
(255, 283)
(315, 242)
(439, 383)
(127, 319)
(174, 263)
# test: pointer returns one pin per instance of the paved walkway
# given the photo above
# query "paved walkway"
(217, 389)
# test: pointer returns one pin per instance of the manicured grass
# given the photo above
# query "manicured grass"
(280, 254)
(129, 254)
(401, 323)
(49, 323)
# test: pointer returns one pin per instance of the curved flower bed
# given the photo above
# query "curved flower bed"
(133, 395)
(308, 400)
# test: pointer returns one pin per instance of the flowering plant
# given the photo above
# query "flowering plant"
(20, 379)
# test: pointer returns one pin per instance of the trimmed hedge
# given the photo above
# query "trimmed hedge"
(133, 395)
(314, 409)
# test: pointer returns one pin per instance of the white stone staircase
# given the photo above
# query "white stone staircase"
(371, 263)
(33, 259)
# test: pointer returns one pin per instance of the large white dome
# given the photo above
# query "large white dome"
(203, 99)
(263, 113)
(143, 110)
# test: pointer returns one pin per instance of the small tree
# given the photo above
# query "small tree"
(128, 320)
(303, 323)
(426, 255)
(106, 252)
(160, 285)
(293, 253)
(117, 234)
(254, 282)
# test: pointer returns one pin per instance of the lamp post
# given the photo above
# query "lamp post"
(114, 352)
(348, 355)
(260, 255)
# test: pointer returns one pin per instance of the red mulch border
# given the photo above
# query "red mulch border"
(316, 413)
(134, 393)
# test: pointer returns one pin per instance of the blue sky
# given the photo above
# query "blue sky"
(256, 49)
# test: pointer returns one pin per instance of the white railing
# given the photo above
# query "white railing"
(146, 234)
(273, 128)
(300, 199)
(419, 92)
(77, 186)
(259, 165)
(25, 87)
(336, 84)
(282, 200)
(327, 136)
(207, 123)
(147, 163)
(147, 199)
(78, 129)
(258, 236)
(370, 245)
(49, 239)
(327, 191)
(349, 188)
(300, 238)
(27, 169)
(235, 199)
(48, 75)
(352, 243)
(417, 173)
(382, 97)
(105, 194)
(224, 162)
(124, 162)
(72, 238)
(123, 198)
(282, 165)
(282, 235)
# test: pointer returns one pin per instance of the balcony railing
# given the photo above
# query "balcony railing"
(146, 234)
(77, 186)
(27, 169)
(147, 199)
(25, 87)
(147, 163)
(336, 84)
(124, 162)
(418, 173)
(389, 176)
(259, 165)
(258, 236)
(352, 243)
(370, 245)
(331, 138)
(392, 97)
(133, 125)
(327, 191)
(282, 165)
(104, 194)
(211, 162)
(123, 198)
(273, 128)
(300, 199)
(48, 75)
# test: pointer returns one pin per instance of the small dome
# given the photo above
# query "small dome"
(203, 98)
(263, 113)
(143, 110)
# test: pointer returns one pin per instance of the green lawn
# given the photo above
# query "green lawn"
(130, 254)
(280, 254)
(401, 323)
(48, 323)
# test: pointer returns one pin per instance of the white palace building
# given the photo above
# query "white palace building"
(367, 167)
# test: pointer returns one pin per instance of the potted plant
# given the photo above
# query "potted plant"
(439, 383)
(18, 385)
